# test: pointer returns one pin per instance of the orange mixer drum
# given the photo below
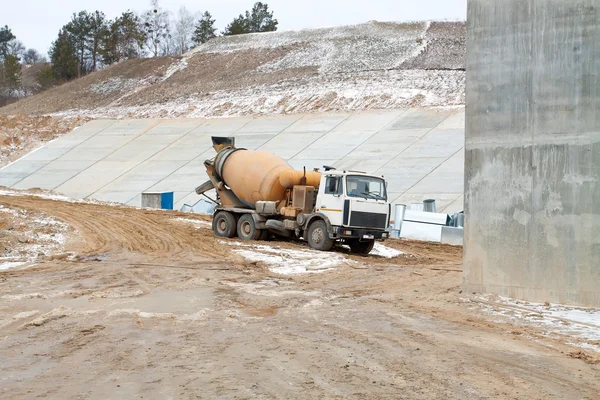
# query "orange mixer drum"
(259, 175)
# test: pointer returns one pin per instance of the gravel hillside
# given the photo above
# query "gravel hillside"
(372, 65)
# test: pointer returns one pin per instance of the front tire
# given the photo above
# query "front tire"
(362, 248)
(224, 224)
(318, 236)
(246, 228)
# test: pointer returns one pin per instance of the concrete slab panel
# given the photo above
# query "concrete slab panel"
(180, 182)
(176, 127)
(223, 126)
(143, 176)
(117, 197)
(129, 127)
(47, 153)
(15, 172)
(455, 207)
(454, 121)
(252, 141)
(334, 145)
(322, 122)
(274, 124)
(310, 164)
(419, 119)
(129, 157)
(442, 179)
(95, 177)
(181, 150)
(288, 144)
(142, 148)
(368, 165)
(96, 148)
(368, 121)
(437, 143)
(93, 127)
(53, 175)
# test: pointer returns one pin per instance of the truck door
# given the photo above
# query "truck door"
(330, 200)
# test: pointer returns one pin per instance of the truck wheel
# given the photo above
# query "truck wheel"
(224, 224)
(246, 229)
(318, 237)
(265, 234)
(362, 248)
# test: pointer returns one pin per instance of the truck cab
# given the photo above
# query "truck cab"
(356, 207)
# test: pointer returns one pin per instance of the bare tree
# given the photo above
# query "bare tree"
(184, 30)
(157, 28)
(32, 56)
(16, 48)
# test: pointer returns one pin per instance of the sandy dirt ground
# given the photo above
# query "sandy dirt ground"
(149, 306)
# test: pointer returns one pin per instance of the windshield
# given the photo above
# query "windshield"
(367, 187)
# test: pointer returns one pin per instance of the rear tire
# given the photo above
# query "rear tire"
(224, 224)
(246, 229)
(362, 248)
(265, 234)
(318, 236)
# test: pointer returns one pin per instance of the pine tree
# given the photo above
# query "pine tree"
(63, 56)
(205, 29)
(123, 39)
(261, 19)
(12, 71)
(6, 36)
(46, 78)
(238, 26)
(79, 31)
(97, 31)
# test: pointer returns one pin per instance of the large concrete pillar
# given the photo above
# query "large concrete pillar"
(532, 193)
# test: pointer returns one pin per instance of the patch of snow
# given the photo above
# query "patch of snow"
(25, 296)
(176, 67)
(578, 322)
(384, 251)
(260, 289)
(116, 84)
(16, 213)
(9, 265)
(586, 346)
(287, 261)
(200, 224)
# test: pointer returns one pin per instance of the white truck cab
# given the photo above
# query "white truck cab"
(355, 203)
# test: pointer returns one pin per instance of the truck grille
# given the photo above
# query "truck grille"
(368, 220)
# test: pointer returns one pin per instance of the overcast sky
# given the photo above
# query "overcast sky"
(37, 22)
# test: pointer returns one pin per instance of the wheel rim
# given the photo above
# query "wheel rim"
(222, 225)
(246, 228)
(317, 236)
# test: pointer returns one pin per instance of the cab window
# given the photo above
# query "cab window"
(333, 185)
(367, 187)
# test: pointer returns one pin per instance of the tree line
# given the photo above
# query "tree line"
(90, 41)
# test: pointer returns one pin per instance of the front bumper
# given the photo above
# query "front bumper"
(359, 233)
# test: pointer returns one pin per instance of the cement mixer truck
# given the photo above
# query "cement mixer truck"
(258, 194)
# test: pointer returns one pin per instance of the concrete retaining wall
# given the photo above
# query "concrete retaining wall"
(532, 194)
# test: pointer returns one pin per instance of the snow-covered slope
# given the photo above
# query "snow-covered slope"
(372, 65)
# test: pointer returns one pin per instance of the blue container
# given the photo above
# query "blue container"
(166, 200)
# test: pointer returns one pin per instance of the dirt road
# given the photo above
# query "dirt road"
(155, 308)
